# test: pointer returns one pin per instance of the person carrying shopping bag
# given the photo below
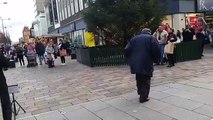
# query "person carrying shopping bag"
(62, 51)
(169, 48)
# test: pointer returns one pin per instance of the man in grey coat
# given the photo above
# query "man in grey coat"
(4, 95)
(142, 51)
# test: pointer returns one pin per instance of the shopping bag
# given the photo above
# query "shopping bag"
(169, 48)
(63, 52)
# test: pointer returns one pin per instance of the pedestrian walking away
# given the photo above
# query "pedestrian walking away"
(63, 51)
(4, 95)
(20, 54)
(40, 50)
(142, 51)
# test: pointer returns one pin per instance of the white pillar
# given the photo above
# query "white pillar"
(178, 21)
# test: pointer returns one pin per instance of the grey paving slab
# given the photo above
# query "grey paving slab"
(113, 114)
(180, 93)
(205, 79)
(182, 114)
(202, 91)
(131, 96)
(181, 86)
(81, 114)
(205, 110)
(202, 85)
(95, 105)
(54, 115)
(144, 113)
(158, 95)
(203, 99)
(123, 104)
(70, 108)
(27, 118)
(160, 88)
(182, 102)
(156, 105)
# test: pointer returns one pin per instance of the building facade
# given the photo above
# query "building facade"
(38, 6)
(64, 17)
(40, 25)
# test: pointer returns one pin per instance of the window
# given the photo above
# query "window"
(68, 8)
(59, 9)
(76, 6)
(72, 7)
(81, 6)
(65, 9)
(86, 3)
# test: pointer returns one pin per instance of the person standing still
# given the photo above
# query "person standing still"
(4, 95)
(161, 36)
(40, 50)
(63, 52)
(171, 39)
(142, 51)
(20, 54)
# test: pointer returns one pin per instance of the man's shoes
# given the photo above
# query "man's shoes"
(143, 100)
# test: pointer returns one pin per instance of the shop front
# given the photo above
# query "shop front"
(206, 7)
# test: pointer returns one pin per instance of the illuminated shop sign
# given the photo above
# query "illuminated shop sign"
(205, 5)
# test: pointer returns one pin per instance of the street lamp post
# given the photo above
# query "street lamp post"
(2, 21)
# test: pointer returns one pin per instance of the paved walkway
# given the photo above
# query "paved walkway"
(77, 92)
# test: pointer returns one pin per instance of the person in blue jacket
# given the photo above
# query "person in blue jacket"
(142, 51)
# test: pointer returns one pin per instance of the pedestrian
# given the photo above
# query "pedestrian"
(201, 37)
(178, 34)
(20, 54)
(4, 95)
(142, 51)
(63, 51)
(40, 50)
(188, 34)
(161, 36)
(50, 55)
(171, 39)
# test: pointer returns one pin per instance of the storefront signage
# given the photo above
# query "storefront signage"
(205, 5)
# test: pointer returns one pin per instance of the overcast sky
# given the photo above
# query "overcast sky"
(21, 13)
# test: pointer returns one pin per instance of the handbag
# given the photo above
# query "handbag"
(63, 52)
(169, 48)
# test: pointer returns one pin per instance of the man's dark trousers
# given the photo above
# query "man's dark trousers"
(5, 101)
(143, 85)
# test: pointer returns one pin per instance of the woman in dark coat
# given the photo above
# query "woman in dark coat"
(20, 54)
(171, 38)
(4, 95)
(63, 51)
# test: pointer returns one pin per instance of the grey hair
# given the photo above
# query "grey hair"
(146, 30)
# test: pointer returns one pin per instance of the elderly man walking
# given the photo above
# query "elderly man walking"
(142, 51)
(4, 95)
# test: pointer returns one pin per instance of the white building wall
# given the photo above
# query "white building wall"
(179, 21)
(40, 25)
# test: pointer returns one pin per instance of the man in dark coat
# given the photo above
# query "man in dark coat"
(4, 95)
(142, 51)
(40, 50)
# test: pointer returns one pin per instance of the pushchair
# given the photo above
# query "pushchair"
(31, 59)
